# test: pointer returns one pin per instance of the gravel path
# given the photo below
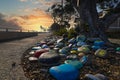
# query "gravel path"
(10, 57)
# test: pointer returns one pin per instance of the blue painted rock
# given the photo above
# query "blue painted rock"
(96, 47)
(38, 53)
(99, 43)
(101, 53)
(49, 58)
(72, 57)
(77, 64)
(84, 49)
(101, 76)
(80, 38)
(72, 41)
(36, 48)
(39, 44)
(60, 45)
(74, 48)
(44, 46)
(64, 50)
(91, 77)
(79, 44)
(64, 72)
(84, 59)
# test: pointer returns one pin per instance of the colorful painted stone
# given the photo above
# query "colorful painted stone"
(84, 49)
(80, 38)
(84, 59)
(80, 55)
(33, 59)
(72, 57)
(36, 48)
(73, 52)
(64, 72)
(72, 41)
(91, 77)
(79, 44)
(38, 53)
(96, 47)
(77, 64)
(99, 43)
(101, 53)
(49, 58)
(59, 45)
(44, 46)
(101, 76)
(31, 52)
(64, 50)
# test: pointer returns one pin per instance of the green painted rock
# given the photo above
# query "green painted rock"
(101, 53)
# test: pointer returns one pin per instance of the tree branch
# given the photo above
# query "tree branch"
(109, 19)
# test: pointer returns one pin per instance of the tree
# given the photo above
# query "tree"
(87, 12)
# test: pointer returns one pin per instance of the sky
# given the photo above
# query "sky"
(25, 14)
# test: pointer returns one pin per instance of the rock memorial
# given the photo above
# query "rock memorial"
(77, 58)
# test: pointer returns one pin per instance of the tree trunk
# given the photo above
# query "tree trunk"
(89, 15)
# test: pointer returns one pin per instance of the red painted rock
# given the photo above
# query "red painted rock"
(38, 53)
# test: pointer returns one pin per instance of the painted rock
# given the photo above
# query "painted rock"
(50, 42)
(73, 52)
(59, 45)
(59, 40)
(118, 49)
(79, 44)
(92, 40)
(72, 57)
(64, 72)
(74, 48)
(49, 58)
(84, 49)
(38, 53)
(36, 48)
(84, 59)
(91, 77)
(33, 59)
(77, 64)
(99, 43)
(80, 55)
(38, 44)
(101, 76)
(42, 42)
(72, 41)
(31, 52)
(96, 47)
(44, 46)
(101, 53)
(80, 38)
(64, 50)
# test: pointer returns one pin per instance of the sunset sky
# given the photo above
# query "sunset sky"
(28, 14)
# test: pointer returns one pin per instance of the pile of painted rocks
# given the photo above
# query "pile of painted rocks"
(78, 58)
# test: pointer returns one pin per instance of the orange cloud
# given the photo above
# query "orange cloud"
(34, 20)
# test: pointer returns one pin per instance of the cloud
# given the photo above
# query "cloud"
(34, 20)
(4, 23)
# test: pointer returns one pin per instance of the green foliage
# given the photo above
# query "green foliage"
(71, 33)
(60, 32)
